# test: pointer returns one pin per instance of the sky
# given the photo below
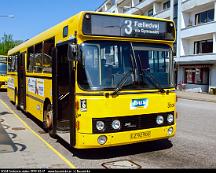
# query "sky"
(34, 16)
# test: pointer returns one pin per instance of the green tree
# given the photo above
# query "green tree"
(7, 43)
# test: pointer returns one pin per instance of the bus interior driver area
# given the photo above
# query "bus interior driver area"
(105, 65)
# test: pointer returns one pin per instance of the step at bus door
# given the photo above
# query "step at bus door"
(21, 82)
(63, 95)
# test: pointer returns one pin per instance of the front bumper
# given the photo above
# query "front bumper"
(123, 138)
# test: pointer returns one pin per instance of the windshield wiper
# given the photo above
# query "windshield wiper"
(152, 79)
(121, 83)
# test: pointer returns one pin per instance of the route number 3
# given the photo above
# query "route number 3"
(128, 28)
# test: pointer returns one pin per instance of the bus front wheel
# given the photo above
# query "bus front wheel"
(48, 120)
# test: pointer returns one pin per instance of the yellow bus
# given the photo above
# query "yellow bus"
(3, 72)
(98, 79)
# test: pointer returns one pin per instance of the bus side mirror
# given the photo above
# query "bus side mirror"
(72, 52)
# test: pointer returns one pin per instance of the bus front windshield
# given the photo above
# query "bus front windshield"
(106, 64)
(3, 66)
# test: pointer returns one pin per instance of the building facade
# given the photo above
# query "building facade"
(196, 45)
(156, 8)
(195, 48)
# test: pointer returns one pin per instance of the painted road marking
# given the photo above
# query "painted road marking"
(39, 137)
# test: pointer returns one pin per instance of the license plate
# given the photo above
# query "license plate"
(141, 135)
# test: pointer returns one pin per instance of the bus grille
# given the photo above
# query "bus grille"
(134, 122)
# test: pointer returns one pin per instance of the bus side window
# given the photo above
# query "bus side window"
(15, 62)
(12, 63)
(30, 59)
(9, 63)
(47, 55)
(38, 67)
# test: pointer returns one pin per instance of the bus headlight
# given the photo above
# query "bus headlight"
(170, 131)
(170, 118)
(159, 120)
(116, 124)
(100, 125)
(102, 139)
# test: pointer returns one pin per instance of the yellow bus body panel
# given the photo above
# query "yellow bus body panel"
(102, 107)
(3, 81)
(123, 138)
(35, 99)
(12, 84)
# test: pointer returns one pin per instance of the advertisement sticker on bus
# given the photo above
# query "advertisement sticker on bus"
(40, 87)
(11, 83)
(36, 86)
(31, 85)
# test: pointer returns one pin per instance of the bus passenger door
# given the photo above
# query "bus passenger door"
(21, 82)
(63, 95)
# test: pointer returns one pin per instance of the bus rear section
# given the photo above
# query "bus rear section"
(3, 72)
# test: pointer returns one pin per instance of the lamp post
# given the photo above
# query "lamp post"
(9, 16)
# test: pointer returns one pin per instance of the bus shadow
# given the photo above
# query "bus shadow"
(4, 113)
(7, 145)
(119, 151)
(33, 119)
(3, 90)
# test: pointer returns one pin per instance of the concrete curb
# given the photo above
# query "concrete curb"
(196, 96)
(196, 99)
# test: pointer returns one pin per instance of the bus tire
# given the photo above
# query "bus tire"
(48, 119)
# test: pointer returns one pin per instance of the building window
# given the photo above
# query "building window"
(204, 46)
(125, 9)
(199, 76)
(138, 2)
(110, 4)
(166, 5)
(204, 17)
(150, 12)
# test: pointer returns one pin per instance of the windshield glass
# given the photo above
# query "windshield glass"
(105, 63)
(153, 62)
(3, 66)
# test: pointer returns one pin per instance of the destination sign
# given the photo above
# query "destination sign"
(103, 25)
